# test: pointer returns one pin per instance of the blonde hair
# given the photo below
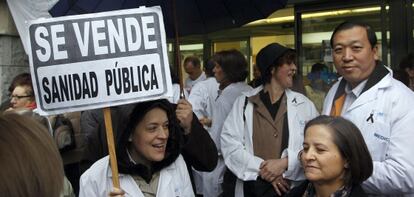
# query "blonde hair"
(30, 162)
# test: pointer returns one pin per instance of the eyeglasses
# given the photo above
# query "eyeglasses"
(19, 97)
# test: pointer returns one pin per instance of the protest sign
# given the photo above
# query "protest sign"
(99, 60)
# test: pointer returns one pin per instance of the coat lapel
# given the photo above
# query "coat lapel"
(127, 183)
(293, 101)
(165, 183)
(371, 93)
(379, 78)
(262, 110)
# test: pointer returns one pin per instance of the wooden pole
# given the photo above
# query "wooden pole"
(177, 50)
(111, 146)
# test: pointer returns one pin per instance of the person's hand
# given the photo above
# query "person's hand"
(184, 114)
(116, 192)
(205, 121)
(272, 168)
(280, 185)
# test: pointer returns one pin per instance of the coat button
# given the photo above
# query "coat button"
(275, 134)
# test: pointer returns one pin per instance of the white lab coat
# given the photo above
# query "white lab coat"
(202, 99)
(237, 143)
(389, 137)
(212, 181)
(222, 107)
(97, 181)
(189, 83)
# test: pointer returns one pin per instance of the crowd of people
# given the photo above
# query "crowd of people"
(229, 138)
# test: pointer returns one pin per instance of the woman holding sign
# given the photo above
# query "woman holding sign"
(148, 157)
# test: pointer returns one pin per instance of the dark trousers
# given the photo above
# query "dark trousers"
(257, 188)
(72, 172)
(229, 183)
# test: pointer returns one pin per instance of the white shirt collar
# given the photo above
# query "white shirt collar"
(357, 90)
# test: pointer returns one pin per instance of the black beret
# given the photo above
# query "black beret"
(268, 55)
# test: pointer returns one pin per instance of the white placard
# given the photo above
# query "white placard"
(99, 60)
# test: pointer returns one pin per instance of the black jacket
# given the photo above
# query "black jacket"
(298, 191)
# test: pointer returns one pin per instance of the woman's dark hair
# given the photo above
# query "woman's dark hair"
(287, 57)
(350, 142)
(233, 63)
(136, 116)
(208, 67)
(25, 80)
(372, 38)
